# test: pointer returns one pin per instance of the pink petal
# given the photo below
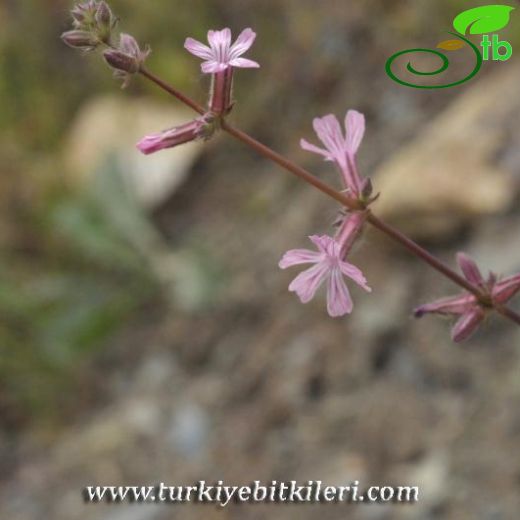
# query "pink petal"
(220, 42)
(307, 283)
(244, 63)
(505, 289)
(330, 134)
(212, 67)
(150, 144)
(351, 175)
(220, 39)
(243, 43)
(355, 130)
(173, 137)
(469, 269)
(309, 147)
(339, 301)
(467, 325)
(198, 49)
(354, 274)
(453, 305)
(299, 256)
(350, 229)
(323, 243)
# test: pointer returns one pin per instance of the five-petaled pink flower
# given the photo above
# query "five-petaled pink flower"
(329, 264)
(466, 306)
(341, 149)
(221, 54)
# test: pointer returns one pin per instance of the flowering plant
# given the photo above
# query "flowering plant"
(93, 28)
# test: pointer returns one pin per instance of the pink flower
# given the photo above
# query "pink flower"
(195, 129)
(471, 313)
(341, 149)
(328, 266)
(221, 54)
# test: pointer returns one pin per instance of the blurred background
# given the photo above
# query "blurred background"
(146, 333)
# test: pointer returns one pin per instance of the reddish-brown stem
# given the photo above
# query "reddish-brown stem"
(508, 313)
(173, 91)
(348, 202)
(291, 167)
(419, 251)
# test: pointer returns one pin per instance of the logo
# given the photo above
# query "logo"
(478, 21)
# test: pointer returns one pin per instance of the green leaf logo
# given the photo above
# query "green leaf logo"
(482, 20)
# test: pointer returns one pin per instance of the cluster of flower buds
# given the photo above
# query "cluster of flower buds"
(329, 263)
(93, 23)
(469, 310)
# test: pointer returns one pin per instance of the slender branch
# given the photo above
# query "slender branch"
(508, 313)
(292, 167)
(348, 202)
(417, 250)
(173, 91)
(261, 148)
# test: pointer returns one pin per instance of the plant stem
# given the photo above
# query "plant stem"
(173, 91)
(346, 201)
(292, 167)
(508, 313)
(419, 251)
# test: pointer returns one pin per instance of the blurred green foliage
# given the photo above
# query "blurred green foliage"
(76, 282)
(73, 264)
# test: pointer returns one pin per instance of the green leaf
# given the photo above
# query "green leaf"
(482, 20)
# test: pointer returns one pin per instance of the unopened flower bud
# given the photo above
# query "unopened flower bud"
(105, 21)
(96, 18)
(120, 61)
(200, 128)
(127, 59)
(128, 44)
(80, 40)
(84, 15)
(366, 188)
(467, 325)
(504, 290)
(104, 14)
(470, 269)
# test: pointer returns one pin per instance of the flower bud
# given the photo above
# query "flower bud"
(104, 15)
(200, 128)
(470, 269)
(83, 15)
(104, 21)
(80, 40)
(120, 61)
(505, 290)
(127, 59)
(94, 17)
(128, 44)
(367, 188)
(467, 325)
